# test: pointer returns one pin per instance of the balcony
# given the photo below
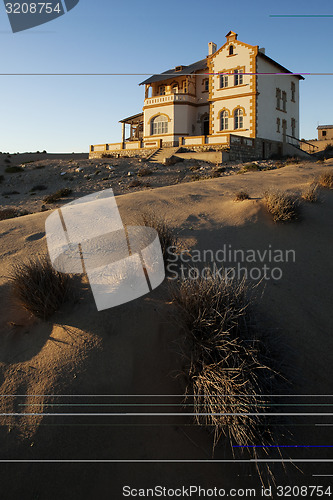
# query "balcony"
(169, 98)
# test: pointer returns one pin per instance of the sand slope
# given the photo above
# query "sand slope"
(134, 350)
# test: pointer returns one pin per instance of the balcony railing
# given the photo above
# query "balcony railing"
(171, 98)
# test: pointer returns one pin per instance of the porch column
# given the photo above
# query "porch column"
(123, 132)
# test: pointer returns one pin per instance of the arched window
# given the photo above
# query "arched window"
(224, 120)
(159, 125)
(238, 115)
(231, 50)
(174, 88)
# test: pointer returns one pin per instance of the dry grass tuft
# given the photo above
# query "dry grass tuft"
(326, 180)
(134, 183)
(11, 213)
(39, 288)
(166, 233)
(144, 171)
(311, 193)
(249, 167)
(14, 169)
(283, 207)
(241, 196)
(229, 365)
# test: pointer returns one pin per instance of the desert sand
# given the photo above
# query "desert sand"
(131, 353)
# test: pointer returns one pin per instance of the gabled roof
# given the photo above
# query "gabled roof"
(279, 66)
(324, 126)
(171, 73)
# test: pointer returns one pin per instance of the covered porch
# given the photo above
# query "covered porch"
(133, 127)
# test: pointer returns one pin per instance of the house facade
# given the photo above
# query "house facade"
(236, 91)
(325, 132)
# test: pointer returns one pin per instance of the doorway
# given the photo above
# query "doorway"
(205, 126)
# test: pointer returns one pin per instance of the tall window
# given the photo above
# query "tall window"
(278, 98)
(231, 50)
(238, 118)
(159, 125)
(284, 101)
(185, 86)
(278, 122)
(293, 91)
(174, 88)
(206, 85)
(224, 120)
(161, 90)
(223, 81)
(238, 76)
(293, 127)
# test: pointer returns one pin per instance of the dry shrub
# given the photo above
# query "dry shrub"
(326, 180)
(250, 167)
(229, 366)
(11, 213)
(283, 207)
(166, 233)
(14, 169)
(61, 193)
(144, 171)
(134, 183)
(196, 177)
(241, 196)
(39, 288)
(39, 187)
(311, 193)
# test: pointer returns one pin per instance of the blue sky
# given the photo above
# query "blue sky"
(67, 113)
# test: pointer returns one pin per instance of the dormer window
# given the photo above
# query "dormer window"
(178, 68)
(231, 50)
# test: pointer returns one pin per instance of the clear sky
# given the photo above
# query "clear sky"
(67, 113)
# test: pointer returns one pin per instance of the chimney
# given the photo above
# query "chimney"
(262, 50)
(212, 48)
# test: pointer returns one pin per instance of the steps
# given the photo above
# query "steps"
(161, 154)
(293, 150)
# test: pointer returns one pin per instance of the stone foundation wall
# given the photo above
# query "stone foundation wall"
(204, 148)
(123, 153)
(262, 149)
(238, 151)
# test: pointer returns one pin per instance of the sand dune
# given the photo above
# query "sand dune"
(134, 349)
